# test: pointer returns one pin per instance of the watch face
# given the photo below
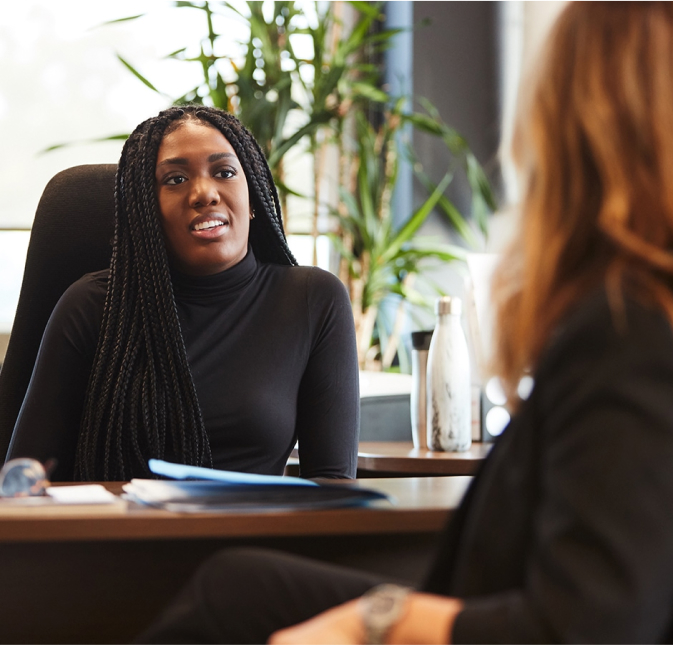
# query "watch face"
(382, 603)
(382, 607)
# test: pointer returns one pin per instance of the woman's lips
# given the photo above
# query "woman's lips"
(209, 229)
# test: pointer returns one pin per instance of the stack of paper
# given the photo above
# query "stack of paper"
(219, 490)
(92, 499)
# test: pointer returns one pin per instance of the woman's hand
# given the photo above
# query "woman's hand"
(341, 624)
(426, 619)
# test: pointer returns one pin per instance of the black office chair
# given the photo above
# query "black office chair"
(71, 236)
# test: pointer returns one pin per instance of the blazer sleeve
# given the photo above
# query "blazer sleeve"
(48, 423)
(328, 405)
(600, 560)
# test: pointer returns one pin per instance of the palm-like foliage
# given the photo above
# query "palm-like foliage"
(383, 261)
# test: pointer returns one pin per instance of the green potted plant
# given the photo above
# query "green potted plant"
(381, 261)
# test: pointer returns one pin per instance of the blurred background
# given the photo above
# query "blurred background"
(73, 72)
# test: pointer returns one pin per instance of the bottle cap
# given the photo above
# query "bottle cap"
(420, 340)
(448, 305)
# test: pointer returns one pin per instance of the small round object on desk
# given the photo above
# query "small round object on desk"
(23, 478)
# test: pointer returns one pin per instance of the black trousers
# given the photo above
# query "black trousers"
(244, 595)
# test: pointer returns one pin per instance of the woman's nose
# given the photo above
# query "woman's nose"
(204, 193)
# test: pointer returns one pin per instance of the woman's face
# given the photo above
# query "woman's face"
(203, 199)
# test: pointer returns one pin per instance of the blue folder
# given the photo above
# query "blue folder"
(206, 490)
(181, 471)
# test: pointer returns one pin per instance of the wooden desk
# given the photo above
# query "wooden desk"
(104, 578)
(401, 459)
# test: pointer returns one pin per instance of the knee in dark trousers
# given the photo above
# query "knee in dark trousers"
(243, 595)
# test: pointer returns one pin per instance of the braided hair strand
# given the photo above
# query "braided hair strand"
(141, 402)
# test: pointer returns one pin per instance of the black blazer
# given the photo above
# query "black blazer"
(566, 534)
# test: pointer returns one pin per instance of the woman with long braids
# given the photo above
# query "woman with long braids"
(204, 343)
(566, 533)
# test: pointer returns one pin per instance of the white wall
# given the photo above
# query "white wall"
(538, 19)
(526, 25)
(60, 81)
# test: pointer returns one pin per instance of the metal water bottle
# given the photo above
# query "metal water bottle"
(420, 345)
(449, 417)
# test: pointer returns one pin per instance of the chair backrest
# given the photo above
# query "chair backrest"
(71, 235)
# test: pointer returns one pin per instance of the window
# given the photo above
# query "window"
(13, 247)
(61, 82)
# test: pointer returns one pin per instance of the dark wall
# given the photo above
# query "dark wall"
(455, 66)
(454, 61)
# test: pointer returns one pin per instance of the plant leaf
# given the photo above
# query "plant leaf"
(367, 8)
(116, 20)
(189, 5)
(58, 146)
(370, 92)
(451, 212)
(415, 221)
(277, 154)
(138, 75)
(176, 52)
(482, 196)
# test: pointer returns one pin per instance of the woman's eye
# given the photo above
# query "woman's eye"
(174, 181)
(225, 173)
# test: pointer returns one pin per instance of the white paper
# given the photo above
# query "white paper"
(88, 494)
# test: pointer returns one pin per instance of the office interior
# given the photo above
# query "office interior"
(61, 81)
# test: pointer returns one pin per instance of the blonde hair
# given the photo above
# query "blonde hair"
(594, 147)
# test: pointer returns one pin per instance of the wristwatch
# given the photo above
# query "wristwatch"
(381, 607)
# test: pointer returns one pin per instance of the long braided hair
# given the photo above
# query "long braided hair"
(141, 402)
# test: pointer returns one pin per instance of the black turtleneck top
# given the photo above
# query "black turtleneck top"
(272, 352)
